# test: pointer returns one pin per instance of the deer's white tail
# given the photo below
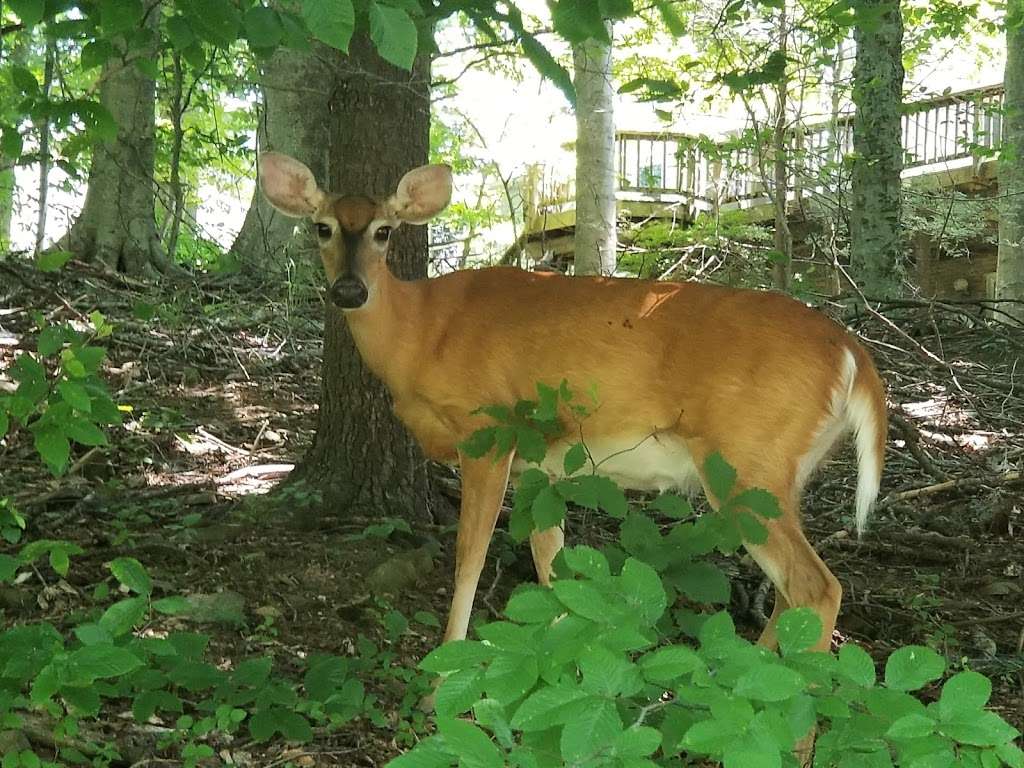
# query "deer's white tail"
(866, 417)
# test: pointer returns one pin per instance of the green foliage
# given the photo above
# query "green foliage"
(61, 399)
(602, 670)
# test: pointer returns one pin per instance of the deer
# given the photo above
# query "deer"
(681, 370)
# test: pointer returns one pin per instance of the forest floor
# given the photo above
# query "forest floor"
(223, 383)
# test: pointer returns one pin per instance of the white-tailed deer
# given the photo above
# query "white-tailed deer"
(681, 371)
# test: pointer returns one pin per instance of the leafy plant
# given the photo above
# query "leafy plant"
(602, 670)
(61, 398)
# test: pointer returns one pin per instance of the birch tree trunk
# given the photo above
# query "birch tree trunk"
(117, 225)
(1010, 264)
(876, 245)
(296, 84)
(378, 118)
(595, 235)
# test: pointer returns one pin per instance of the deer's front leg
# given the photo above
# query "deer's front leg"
(483, 489)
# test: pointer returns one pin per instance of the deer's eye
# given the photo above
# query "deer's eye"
(382, 234)
(323, 231)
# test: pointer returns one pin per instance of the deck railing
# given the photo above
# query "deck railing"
(706, 173)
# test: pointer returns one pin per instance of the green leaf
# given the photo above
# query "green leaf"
(394, 33)
(479, 443)
(5, 423)
(703, 582)
(798, 629)
(8, 567)
(584, 599)
(672, 505)
(510, 675)
(262, 27)
(180, 33)
(979, 728)
(574, 459)
(671, 18)
(95, 662)
(93, 634)
(54, 447)
(964, 691)
(291, 725)
(548, 66)
(758, 500)
(216, 21)
(548, 509)
(132, 574)
(533, 605)
(595, 727)
(771, 682)
(587, 561)
(643, 589)
(459, 692)
(120, 16)
(856, 665)
(638, 741)
(471, 744)
(119, 618)
(911, 726)
(96, 54)
(330, 22)
(721, 477)
(59, 560)
(530, 444)
(173, 606)
(456, 655)
(616, 9)
(11, 142)
(547, 707)
(670, 663)
(74, 394)
(84, 432)
(913, 667)
(29, 11)
(51, 261)
(578, 20)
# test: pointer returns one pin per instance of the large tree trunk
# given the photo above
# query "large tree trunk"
(595, 237)
(875, 243)
(1010, 265)
(362, 458)
(294, 84)
(117, 225)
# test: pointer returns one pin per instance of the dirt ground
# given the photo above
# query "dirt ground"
(223, 383)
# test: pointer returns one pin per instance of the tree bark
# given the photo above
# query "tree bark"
(875, 242)
(782, 266)
(595, 235)
(1010, 263)
(362, 459)
(117, 225)
(295, 84)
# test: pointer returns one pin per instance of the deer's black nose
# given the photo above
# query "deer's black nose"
(348, 293)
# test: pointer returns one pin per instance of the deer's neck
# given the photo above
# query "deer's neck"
(382, 328)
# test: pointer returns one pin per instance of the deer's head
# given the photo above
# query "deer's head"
(353, 231)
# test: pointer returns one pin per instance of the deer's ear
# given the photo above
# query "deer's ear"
(289, 185)
(422, 194)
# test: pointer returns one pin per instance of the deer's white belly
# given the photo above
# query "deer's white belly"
(644, 463)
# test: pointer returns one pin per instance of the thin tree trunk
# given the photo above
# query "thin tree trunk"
(44, 149)
(782, 266)
(362, 459)
(595, 235)
(8, 187)
(1010, 264)
(876, 246)
(295, 83)
(117, 225)
(177, 139)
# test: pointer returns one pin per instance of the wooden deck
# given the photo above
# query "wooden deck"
(664, 175)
